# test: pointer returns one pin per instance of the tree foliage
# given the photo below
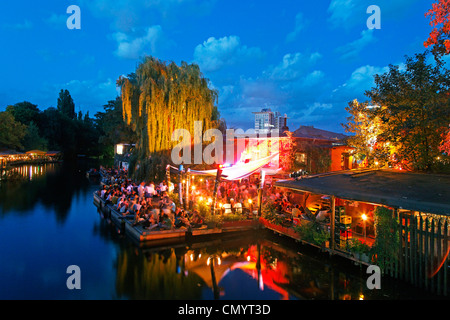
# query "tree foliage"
(162, 97)
(25, 112)
(415, 109)
(411, 115)
(65, 104)
(445, 143)
(439, 37)
(366, 139)
(11, 131)
(32, 139)
(113, 129)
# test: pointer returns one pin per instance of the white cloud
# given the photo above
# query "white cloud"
(314, 112)
(300, 23)
(26, 25)
(293, 66)
(342, 12)
(57, 20)
(292, 86)
(83, 91)
(352, 49)
(89, 94)
(361, 80)
(134, 47)
(214, 54)
(126, 15)
(350, 13)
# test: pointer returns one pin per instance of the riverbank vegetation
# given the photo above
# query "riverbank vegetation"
(24, 126)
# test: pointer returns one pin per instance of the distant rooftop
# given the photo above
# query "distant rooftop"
(313, 133)
(428, 193)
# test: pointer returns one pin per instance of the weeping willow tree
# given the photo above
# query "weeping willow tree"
(161, 97)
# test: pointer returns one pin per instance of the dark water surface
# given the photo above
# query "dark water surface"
(48, 222)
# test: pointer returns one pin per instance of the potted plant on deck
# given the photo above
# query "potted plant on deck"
(313, 233)
(360, 251)
(213, 221)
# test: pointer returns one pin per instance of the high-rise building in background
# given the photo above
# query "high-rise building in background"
(267, 121)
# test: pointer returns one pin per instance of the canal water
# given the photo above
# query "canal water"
(48, 222)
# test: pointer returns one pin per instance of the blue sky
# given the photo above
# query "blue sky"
(307, 59)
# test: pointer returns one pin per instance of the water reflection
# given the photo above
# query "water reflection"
(238, 268)
(53, 185)
(254, 266)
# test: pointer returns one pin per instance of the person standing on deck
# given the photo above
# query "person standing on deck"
(141, 190)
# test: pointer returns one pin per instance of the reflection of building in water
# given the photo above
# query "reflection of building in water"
(266, 268)
(28, 172)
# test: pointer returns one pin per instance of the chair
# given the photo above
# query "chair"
(227, 208)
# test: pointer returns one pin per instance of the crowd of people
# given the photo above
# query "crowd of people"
(149, 204)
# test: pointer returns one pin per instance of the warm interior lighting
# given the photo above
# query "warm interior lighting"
(250, 201)
(119, 149)
(364, 216)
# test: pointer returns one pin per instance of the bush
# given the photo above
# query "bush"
(312, 232)
(203, 209)
(357, 246)
(386, 246)
(269, 212)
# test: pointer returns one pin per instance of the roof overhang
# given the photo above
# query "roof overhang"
(428, 193)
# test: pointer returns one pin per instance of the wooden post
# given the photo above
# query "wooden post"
(426, 254)
(414, 247)
(420, 250)
(446, 257)
(439, 255)
(188, 178)
(180, 184)
(432, 250)
(168, 178)
(216, 186)
(332, 222)
(400, 243)
(260, 192)
(406, 248)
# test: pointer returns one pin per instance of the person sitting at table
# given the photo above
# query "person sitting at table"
(322, 215)
(181, 220)
(196, 220)
(165, 222)
(296, 213)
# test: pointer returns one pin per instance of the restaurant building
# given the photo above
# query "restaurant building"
(418, 208)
